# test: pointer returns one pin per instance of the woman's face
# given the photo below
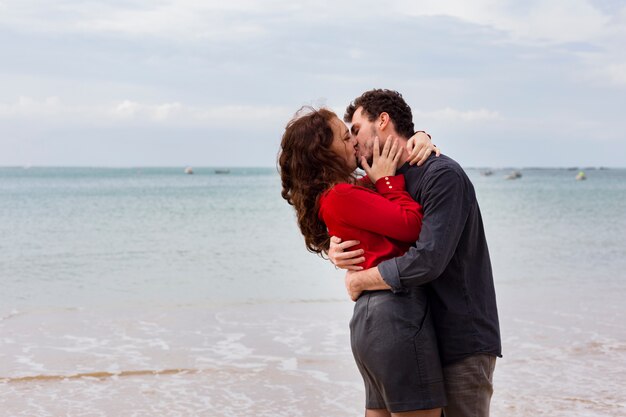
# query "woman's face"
(344, 144)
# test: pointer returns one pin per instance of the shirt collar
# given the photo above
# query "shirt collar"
(403, 169)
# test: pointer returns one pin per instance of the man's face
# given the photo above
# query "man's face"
(364, 131)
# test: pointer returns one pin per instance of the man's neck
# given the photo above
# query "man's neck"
(402, 141)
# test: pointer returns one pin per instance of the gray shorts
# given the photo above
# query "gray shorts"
(469, 386)
(395, 348)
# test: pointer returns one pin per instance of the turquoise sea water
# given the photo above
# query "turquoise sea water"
(186, 280)
(99, 236)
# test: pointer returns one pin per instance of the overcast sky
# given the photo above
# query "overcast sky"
(213, 83)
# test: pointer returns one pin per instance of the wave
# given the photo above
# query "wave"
(98, 375)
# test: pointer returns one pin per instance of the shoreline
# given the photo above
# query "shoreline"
(256, 357)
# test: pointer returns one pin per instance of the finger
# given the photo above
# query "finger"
(346, 263)
(396, 158)
(354, 268)
(415, 156)
(422, 156)
(414, 152)
(350, 264)
(335, 239)
(437, 151)
(421, 161)
(394, 149)
(348, 244)
(387, 147)
(350, 267)
(397, 150)
(366, 167)
(410, 144)
(349, 255)
(427, 154)
(410, 148)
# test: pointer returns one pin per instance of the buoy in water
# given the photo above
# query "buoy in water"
(514, 175)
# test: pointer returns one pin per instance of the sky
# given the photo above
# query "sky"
(208, 83)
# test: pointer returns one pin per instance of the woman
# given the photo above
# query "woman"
(397, 359)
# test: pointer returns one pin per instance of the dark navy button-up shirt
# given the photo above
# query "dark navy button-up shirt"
(452, 259)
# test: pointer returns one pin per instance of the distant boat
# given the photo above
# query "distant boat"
(514, 175)
(222, 171)
(486, 173)
(581, 176)
(188, 171)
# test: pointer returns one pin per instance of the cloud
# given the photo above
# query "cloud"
(174, 22)
(616, 74)
(53, 111)
(452, 115)
(26, 106)
(164, 112)
(181, 115)
(126, 109)
(166, 65)
(169, 19)
(534, 20)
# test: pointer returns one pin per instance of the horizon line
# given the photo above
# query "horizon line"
(270, 166)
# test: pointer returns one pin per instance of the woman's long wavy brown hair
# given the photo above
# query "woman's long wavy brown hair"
(308, 167)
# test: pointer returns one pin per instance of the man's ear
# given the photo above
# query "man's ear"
(383, 121)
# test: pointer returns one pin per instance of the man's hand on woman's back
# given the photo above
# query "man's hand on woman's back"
(345, 260)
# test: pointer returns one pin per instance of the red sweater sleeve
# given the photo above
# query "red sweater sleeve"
(392, 213)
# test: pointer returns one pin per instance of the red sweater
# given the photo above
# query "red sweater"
(386, 223)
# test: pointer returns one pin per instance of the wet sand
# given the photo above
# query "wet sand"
(286, 359)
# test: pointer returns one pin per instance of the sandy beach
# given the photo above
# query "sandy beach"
(290, 359)
(281, 359)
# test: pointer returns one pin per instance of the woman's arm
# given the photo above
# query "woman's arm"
(391, 212)
(420, 147)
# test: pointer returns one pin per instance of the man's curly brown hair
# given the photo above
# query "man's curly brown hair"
(375, 102)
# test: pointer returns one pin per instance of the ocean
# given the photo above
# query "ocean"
(145, 291)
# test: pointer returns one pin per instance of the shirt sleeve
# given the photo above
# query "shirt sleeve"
(392, 213)
(446, 208)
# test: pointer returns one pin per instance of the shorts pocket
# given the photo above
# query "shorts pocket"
(427, 352)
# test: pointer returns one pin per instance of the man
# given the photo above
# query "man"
(451, 256)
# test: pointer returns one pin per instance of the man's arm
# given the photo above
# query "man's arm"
(445, 212)
(446, 208)
(370, 279)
